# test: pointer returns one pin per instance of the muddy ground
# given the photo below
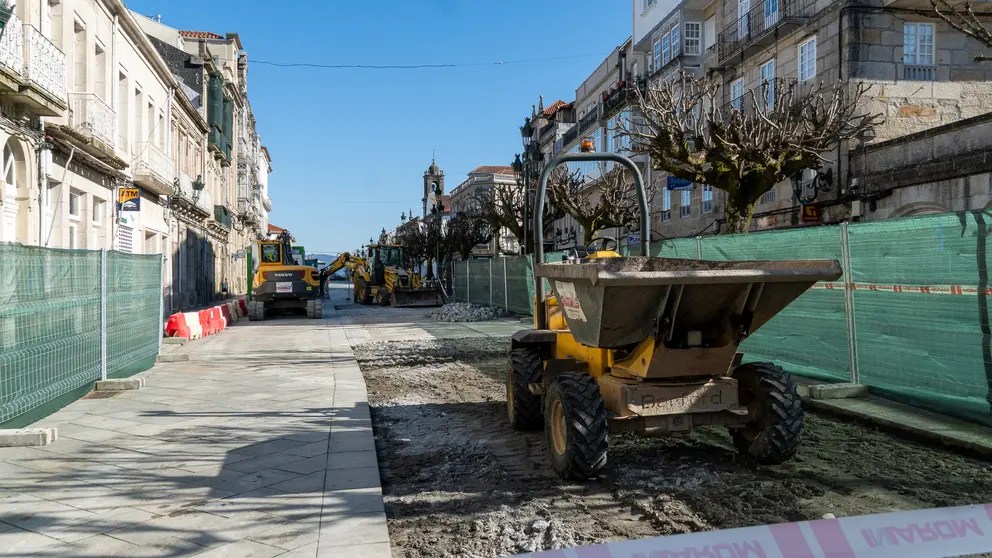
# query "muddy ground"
(458, 482)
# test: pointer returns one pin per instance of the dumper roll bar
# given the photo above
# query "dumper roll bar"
(642, 199)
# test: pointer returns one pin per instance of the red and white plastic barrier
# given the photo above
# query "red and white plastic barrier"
(934, 533)
(195, 325)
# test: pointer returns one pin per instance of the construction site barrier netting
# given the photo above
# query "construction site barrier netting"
(50, 324)
(910, 319)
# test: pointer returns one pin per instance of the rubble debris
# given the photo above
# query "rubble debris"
(465, 312)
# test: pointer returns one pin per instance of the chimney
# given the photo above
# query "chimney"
(158, 18)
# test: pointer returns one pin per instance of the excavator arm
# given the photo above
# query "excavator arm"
(353, 263)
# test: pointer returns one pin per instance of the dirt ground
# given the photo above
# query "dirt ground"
(458, 482)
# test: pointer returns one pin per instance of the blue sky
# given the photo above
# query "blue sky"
(350, 146)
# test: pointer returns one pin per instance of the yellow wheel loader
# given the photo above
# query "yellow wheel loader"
(650, 346)
(382, 279)
(279, 283)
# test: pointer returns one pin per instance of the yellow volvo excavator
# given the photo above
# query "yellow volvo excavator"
(382, 279)
(278, 283)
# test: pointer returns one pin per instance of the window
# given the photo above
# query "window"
(150, 134)
(74, 199)
(137, 116)
(918, 44)
(647, 5)
(676, 41)
(100, 72)
(709, 32)
(98, 209)
(693, 38)
(122, 113)
(79, 56)
(151, 243)
(685, 205)
(666, 49)
(707, 198)
(770, 196)
(656, 59)
(737, 94)
(767, 84)
(666, 204)
(270, 253)
(807, 59)
(73, 238)
(743, 18)
(162, 129)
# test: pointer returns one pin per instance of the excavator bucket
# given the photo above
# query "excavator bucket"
(416, 298)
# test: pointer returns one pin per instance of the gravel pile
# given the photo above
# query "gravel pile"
(465, 312)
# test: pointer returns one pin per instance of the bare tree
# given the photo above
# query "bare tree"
(609, 201)
(962, 17)
(503, 208)
(465, 231)
(764, 137)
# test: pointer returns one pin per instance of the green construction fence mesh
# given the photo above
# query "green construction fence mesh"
(915, 325)
(50, 326)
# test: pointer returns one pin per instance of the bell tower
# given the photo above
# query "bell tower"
(433, 180)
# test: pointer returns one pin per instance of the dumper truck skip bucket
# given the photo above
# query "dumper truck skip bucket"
(618, 302)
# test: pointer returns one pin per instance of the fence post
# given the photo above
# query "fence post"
(852, 338)
(103, 313)
(468, 280)
(161, 300)
(699, 248)
(506, 291)
(491, 283)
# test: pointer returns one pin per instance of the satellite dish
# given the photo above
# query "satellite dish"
(242, 253)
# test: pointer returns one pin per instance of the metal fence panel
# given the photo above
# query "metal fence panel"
(50, 325)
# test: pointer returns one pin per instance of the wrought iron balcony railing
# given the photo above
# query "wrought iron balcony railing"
(760, 19)
(591, 118)
(92, 117)
(570, 135)
(45, 63)
(12, 46)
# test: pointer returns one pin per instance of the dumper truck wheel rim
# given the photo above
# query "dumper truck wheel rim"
(559, 428)
(576, 426)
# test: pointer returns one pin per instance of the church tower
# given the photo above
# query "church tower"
(433, 179)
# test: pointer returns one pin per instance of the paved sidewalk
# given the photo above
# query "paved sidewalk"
(260, 446)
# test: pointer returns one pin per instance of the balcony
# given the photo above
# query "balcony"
(919, 72)
(761, 26)
(153, 169)
(589, 120)
(570, 135)
(12, 55)
(94, 119)
(222, 216)
(44, 74)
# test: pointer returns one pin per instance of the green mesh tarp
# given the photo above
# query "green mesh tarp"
(921, 330)
(809, 337)
(921, 310)
(133, 320)
(50, 324)
(480, 282)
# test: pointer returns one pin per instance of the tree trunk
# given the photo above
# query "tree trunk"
(738, 217)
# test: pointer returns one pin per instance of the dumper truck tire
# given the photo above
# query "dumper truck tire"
(522, 406)
(576, 427)
(774, 436)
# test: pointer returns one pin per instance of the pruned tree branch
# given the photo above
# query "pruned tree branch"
(963, 18)
(747, 146)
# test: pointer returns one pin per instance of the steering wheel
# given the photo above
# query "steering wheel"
(604, 242)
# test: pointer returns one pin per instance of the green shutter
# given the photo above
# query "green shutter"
(228, 130)
(215, 100)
